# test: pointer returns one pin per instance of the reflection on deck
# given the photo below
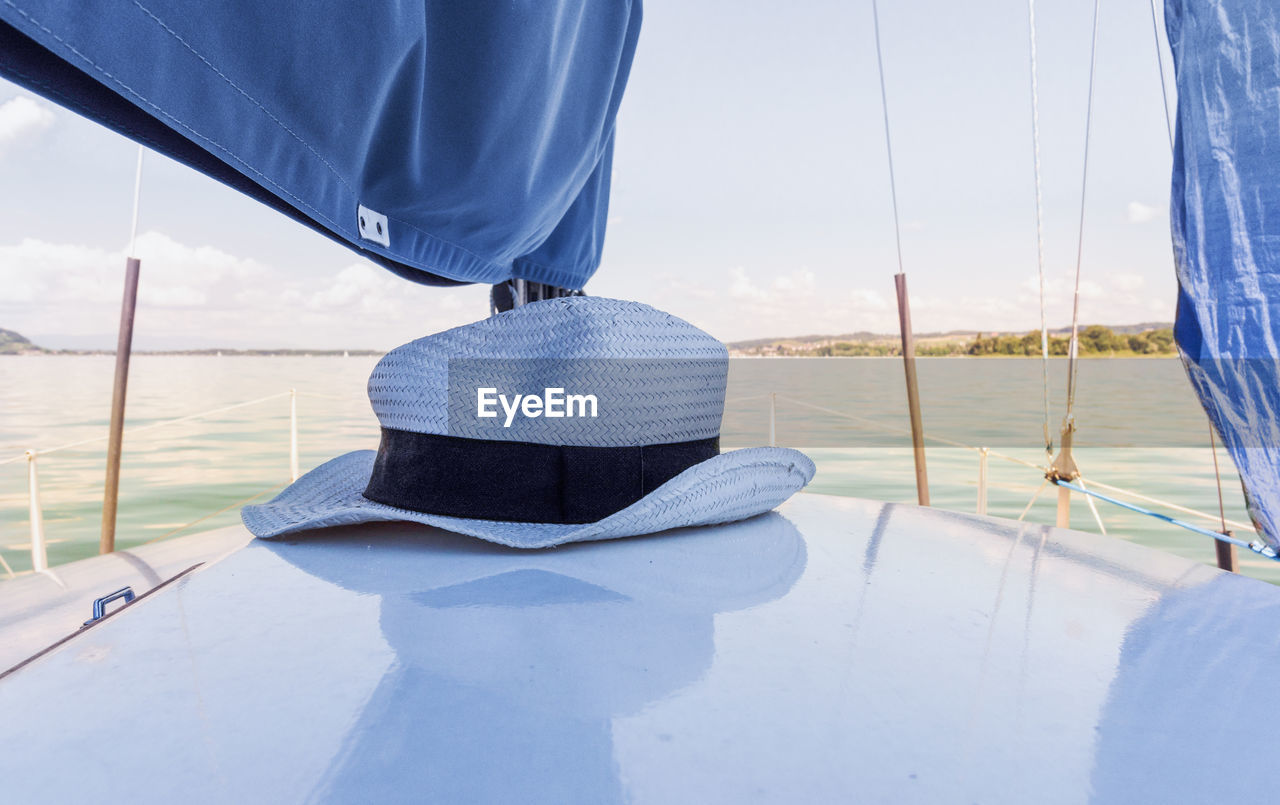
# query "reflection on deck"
(839, 650)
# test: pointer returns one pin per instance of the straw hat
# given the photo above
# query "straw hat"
(565, 420)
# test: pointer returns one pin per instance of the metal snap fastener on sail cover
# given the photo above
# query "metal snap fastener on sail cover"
(373, 225)
(100, 604)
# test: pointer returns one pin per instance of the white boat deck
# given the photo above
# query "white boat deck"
(840, 650)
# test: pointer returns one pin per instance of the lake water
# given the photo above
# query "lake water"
(1140, 428)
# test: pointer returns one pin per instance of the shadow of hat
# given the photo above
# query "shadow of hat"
(719, 568)
(597, 628)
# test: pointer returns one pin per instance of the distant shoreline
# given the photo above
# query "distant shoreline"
(1095, 340)
(209, 353)
(368, 353)
(1090, 356)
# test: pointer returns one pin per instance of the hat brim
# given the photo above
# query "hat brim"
(731, 486)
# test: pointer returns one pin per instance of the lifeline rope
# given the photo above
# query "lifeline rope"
(211, 515)
(1035, 140)
(888, 143)
(131, 431)
(1257, 546)
(154, 425)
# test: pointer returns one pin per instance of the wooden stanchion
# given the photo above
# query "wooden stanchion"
(124, 347)
(913, 389)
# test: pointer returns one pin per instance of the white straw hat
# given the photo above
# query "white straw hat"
(615, 433)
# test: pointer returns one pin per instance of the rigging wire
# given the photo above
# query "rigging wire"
(1073, 351)
(1213, 448)
(1164, 92)
(137, 195)
(888, 142)
(1168, 124)
(1035, 140)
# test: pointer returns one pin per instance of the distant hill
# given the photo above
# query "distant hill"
(12, 343)
(1148, 338)
(15, 343)
(866, 336)
(1118, 329)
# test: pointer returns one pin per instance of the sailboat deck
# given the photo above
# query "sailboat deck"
(838, 649)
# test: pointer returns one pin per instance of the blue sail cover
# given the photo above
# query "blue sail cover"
(1225, 214)
(448, 141)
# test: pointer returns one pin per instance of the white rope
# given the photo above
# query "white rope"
(1073, 362)
(1023, 462)
(1033, 500)
(212, 515)
(888, 141)
(1035, 140)
(1097, 518)
(1157, 501)
(891, 429)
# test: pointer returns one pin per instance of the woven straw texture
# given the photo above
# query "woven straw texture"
(729, 487)
(658, 379)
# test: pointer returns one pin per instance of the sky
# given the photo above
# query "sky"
(751, 192)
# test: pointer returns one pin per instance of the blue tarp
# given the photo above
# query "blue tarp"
(481, 130)
(1225, 214)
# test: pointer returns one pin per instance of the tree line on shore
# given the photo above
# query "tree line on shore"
(1095, 339)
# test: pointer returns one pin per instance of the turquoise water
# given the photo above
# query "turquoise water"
(1139, 423)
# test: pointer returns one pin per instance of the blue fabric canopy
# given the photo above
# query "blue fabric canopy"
(1226, 229)
(449, 141)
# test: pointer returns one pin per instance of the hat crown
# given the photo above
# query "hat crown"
(655, 378)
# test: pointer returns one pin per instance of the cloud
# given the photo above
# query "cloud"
(21, 117)
(1128, 282)
(790, 285)
(358, 285)
(1140, 213)
(741, 287)
(746, 302)
(868, 299)
(942, 313)
(174, 275)
(203, 296)
(1114, 297)
(739, 303)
